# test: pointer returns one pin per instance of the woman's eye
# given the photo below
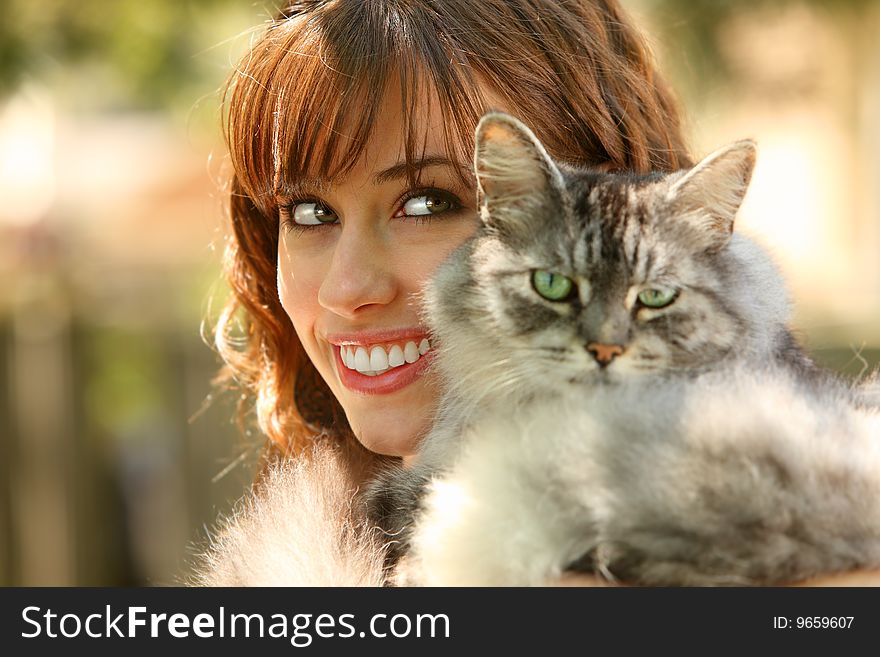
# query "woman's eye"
(312, 214)
(427, 204)
(653, 298)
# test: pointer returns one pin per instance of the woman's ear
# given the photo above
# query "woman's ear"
(516, 179)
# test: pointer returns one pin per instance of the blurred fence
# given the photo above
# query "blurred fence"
(109, 469)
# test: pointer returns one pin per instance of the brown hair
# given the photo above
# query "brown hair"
(577, 72)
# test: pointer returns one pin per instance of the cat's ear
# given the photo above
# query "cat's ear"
(516, 179)
(710, 194)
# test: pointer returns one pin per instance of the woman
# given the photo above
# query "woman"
(350, 127)
(336, 91)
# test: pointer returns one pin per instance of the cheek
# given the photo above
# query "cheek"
(647, 352)
(697, 333)
(419, 257)
(298, 284)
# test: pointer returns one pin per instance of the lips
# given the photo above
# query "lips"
(380, 361)
(385, 383)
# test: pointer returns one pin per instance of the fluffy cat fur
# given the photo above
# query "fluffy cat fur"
(301, 527)
(709, 450)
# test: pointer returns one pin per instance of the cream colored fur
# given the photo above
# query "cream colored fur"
(301, 527)
(536, 488)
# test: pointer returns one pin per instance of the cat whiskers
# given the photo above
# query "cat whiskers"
(500, 368)
(506, 374)
(857, 356)
(506, 383)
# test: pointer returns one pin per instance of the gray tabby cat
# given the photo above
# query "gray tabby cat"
(623, 395)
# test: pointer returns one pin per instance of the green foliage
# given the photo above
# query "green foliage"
(122, 54)
(125, 378)
(689, 30)
(131, 54)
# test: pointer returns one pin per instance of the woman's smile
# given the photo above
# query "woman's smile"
(381, 362)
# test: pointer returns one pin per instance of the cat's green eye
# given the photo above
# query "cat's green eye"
(553, 287)
(653, 298)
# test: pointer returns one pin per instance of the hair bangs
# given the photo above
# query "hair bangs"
(304, 103)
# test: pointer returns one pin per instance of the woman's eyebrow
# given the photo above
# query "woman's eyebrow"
(301, 188)
(318, 186)
(403, 169)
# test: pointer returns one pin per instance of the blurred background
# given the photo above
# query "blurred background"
(115, 453)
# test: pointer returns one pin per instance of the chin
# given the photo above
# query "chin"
(388, 446)
(390, 438)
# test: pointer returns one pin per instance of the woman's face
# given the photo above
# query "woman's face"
(353, 255)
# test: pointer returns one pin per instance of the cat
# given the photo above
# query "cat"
(623, 395)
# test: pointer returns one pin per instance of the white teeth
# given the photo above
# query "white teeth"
(411, 352)
(378, 360)
(395, 356)
(361, 360)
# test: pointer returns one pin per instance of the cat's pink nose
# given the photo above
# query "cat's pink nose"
(604, 353)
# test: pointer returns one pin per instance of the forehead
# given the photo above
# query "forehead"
(623, 225)
(406, 132)
(400, 133)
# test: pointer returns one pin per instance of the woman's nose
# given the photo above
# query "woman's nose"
(360, 275)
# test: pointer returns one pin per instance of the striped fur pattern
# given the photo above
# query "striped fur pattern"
(710, 451)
